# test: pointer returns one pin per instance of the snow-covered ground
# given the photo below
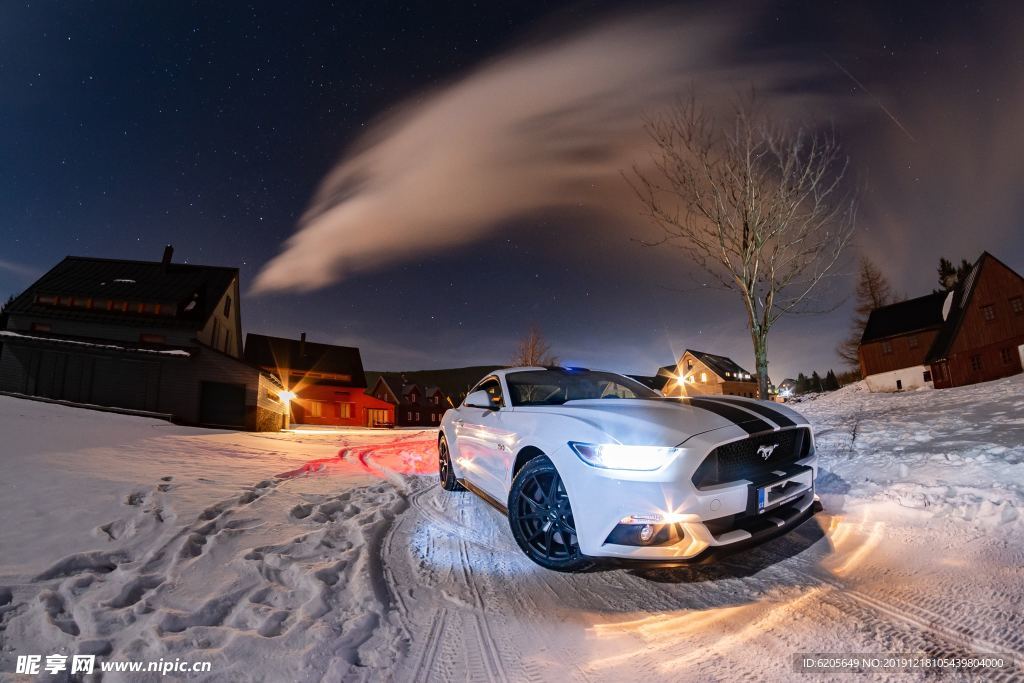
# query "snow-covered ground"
(322, 555)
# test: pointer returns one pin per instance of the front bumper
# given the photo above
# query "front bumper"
(698, 520)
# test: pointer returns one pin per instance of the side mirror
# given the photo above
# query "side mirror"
(480, 399)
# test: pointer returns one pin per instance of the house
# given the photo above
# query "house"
(327, 381)
(698, 373)
(155, 337)
(414, 405)
(787, 387)
(973, 333)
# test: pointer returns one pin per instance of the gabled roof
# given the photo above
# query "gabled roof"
(912, 315)
(717, 364)
(961, 300)
(193, 290)
(294, 355)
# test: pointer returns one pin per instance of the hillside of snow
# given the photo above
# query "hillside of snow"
(326, 555)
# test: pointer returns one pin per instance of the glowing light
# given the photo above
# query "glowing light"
(286, 396)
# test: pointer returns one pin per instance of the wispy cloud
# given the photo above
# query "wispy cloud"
(18, 269)
(537, 129)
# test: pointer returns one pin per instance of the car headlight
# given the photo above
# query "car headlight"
(614, 456)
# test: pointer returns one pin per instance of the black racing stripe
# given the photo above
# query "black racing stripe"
(750, 423)
(776, 416)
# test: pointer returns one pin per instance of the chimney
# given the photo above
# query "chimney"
(168, 253)
(302, 344)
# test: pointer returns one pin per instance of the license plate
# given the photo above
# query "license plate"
(777, 493)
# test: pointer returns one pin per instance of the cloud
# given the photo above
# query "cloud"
(18, 269)
(537, 129)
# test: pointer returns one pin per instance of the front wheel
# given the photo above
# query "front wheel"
(541, 518)
(444, 467)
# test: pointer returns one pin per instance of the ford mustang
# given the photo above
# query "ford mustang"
(594, 467)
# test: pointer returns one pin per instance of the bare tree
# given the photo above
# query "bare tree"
(533, 350)
(873, 291)
(760, 207)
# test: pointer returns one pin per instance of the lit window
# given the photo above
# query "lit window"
(48, 299)
(345, 410)
(316, 408)
(703, 378)
(408, 416)
(988, 312)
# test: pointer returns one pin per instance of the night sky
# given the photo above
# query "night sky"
(211, 126)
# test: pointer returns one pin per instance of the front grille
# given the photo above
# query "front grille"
(741, 459)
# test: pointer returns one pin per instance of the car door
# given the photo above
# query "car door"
(485, 441)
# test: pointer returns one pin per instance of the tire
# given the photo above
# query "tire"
(444, 467)
(541, 518)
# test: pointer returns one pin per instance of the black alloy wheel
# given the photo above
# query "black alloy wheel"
(540, 516)
(444, 467)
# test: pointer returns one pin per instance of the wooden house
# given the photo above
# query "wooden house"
(327, 381)
(414, 405)
(698, 373)
(153, 337)
(973, 333)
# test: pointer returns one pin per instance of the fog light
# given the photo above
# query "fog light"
(646, 533)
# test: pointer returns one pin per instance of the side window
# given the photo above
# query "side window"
(493, 388)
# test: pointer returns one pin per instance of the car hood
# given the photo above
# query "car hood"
(655, 422)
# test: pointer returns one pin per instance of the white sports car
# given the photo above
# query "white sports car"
(593, 466)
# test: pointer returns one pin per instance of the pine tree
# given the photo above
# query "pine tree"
(950, 276)
(947, 274)
(873, 291)
(802, 384)
(831, 381)
(815, 382)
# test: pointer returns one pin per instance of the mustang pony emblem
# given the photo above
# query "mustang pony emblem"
(766, 451)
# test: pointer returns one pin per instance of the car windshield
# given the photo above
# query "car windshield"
(555, 387)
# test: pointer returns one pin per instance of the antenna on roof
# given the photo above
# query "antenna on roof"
(168, 254)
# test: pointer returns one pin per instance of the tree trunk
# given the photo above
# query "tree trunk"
(761, 363)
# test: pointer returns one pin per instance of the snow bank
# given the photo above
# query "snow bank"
(956, 453)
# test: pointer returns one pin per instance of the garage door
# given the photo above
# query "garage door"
(222, 404)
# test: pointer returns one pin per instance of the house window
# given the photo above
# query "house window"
(408, 416)
(152, 339)
(899, 385)
(40, 327)
(316, 408)
(927, 375)
(976, 362)
(689, 365)
(51, 300)
(345, 410)
(151, 309)
(1017, 305)
(80, 302)
(1006, 356)
(227, 306)
(703, 378)
(886, 347)
(988, 312)
(912, 341)
(417, 418)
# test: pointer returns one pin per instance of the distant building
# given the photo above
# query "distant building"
(155, 337)
(327, 380)
(787, 387)
(973, 333)
(698, 373)
(414, 405)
